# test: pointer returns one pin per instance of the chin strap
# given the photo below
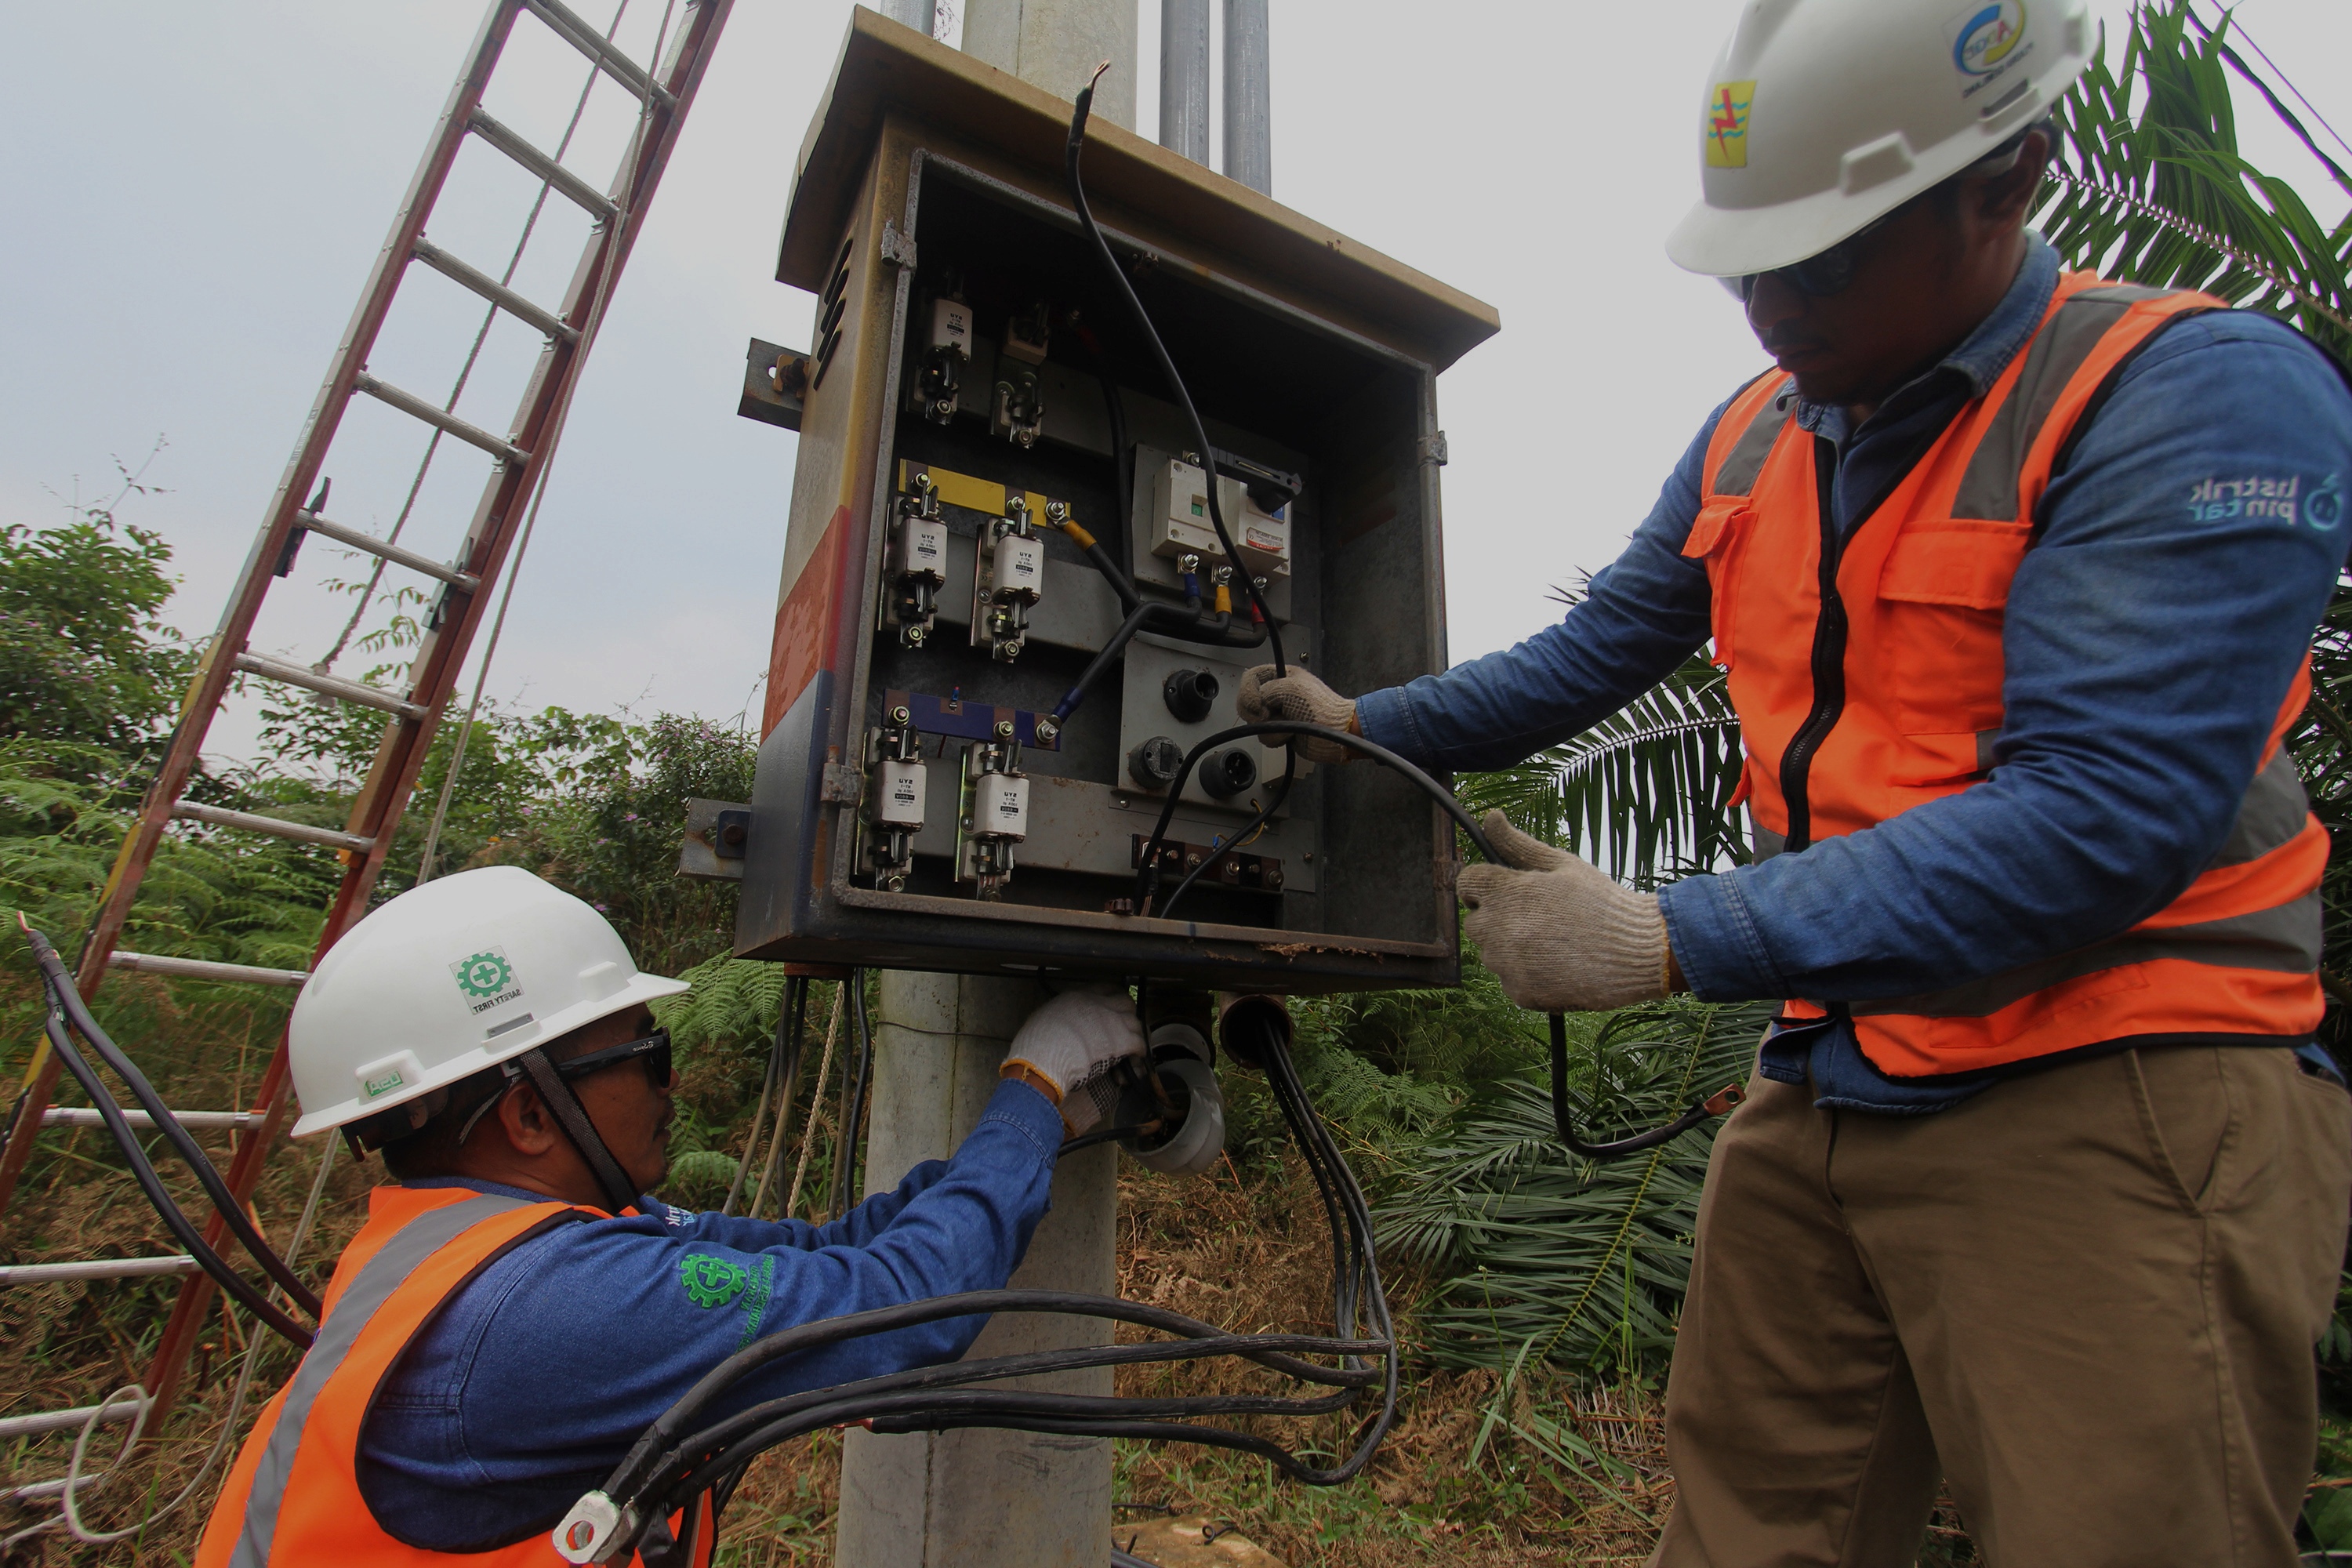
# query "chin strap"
(573, 1116)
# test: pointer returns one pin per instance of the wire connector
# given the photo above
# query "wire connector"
(595, 1523)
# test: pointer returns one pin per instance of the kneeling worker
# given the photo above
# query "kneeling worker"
(515, 1312)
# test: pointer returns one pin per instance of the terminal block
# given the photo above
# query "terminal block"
(918, 563)
(1019, 415)
(1008, 576)
(894, 799)
(995, 811)
(943, 362)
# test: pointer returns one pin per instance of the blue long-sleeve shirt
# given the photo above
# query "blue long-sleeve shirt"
(2150, 639)
(532, 1382)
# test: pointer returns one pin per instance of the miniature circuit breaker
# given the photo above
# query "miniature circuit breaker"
(993, 479)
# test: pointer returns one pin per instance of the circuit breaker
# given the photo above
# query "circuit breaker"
(967, 744)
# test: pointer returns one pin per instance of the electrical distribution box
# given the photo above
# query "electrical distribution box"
(973, 384)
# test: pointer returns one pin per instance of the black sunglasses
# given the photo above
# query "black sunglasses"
(1819, 276)
(653, 1050)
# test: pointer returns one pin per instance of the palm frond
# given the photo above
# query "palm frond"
(2148, 186)
(1644, 792)
(1586, 1262)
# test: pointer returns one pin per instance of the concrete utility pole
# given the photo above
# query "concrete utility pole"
(1184, 78)
(982, 1498)
(1056, 44)
(1249, 97)
(923, 15)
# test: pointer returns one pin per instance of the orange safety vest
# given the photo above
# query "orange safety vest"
(293, 1496)
(1912, 704)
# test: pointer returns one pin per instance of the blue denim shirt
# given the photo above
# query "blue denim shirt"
(2150, 637)
(533, 1380)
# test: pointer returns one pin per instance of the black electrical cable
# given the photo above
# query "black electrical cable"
(1212, 628)
(1122, 464)
(1121, 584)
(183, 1229)
(1700, 1111)
(1147, 887)
(671, 1462)
(1159, 352)
(660, 1451)
(1148, 873)
(1106, 1135)
(66, 999)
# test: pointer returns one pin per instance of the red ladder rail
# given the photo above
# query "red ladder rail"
(520, 459)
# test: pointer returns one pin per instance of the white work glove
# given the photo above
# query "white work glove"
(1073, 1042)
(1558, 934)
(1301, 699)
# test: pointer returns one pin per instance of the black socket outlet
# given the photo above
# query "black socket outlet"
(1228, 771)
(1189, 693)
(1153, 764)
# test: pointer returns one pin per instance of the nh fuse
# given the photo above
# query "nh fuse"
(1000, 807)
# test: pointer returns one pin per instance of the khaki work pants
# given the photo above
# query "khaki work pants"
(2086, 1298)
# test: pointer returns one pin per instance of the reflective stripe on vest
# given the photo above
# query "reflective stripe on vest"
(1836, 743)
(293, 1495)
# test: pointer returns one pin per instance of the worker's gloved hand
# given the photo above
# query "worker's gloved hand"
(1073, 1042)
(1302, 698)
(1558, 934)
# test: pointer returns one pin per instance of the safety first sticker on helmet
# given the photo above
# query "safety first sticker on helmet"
(1988, 43)
(487, 979)
(1726, 124)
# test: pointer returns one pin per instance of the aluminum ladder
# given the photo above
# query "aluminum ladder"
(518, 460)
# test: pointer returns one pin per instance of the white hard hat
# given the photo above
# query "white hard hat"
(1822, 115)
(447, 979)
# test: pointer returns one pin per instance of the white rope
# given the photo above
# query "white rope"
(622, 221)
(816, 1113)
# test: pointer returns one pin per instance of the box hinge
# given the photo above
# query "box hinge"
(898, 249)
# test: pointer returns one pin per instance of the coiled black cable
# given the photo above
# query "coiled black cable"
(1147, 883)
(674, 1459)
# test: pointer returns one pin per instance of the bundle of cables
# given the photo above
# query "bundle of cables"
(687, 1452)
(69, 1016)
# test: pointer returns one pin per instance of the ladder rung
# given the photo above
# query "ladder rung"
(491, 289)
(581, 36)
(83, 1116)
(205, 969)
(369, 543)
(408, 403)
(332, 837)
(325, 686)
(67, 1420)
(545, 167)
(20, 1274)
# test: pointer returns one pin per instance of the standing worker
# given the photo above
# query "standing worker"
(2042, 1186)
(515, 1311)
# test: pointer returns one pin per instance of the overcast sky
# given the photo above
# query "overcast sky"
(197, 193)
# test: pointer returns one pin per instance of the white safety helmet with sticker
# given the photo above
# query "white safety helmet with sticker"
(449, 978)
(1822, 116)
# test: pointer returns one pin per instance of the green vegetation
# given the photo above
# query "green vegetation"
(1540, 1291)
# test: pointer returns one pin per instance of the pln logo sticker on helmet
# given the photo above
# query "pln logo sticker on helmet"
(487, 979)
(1726, 124)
